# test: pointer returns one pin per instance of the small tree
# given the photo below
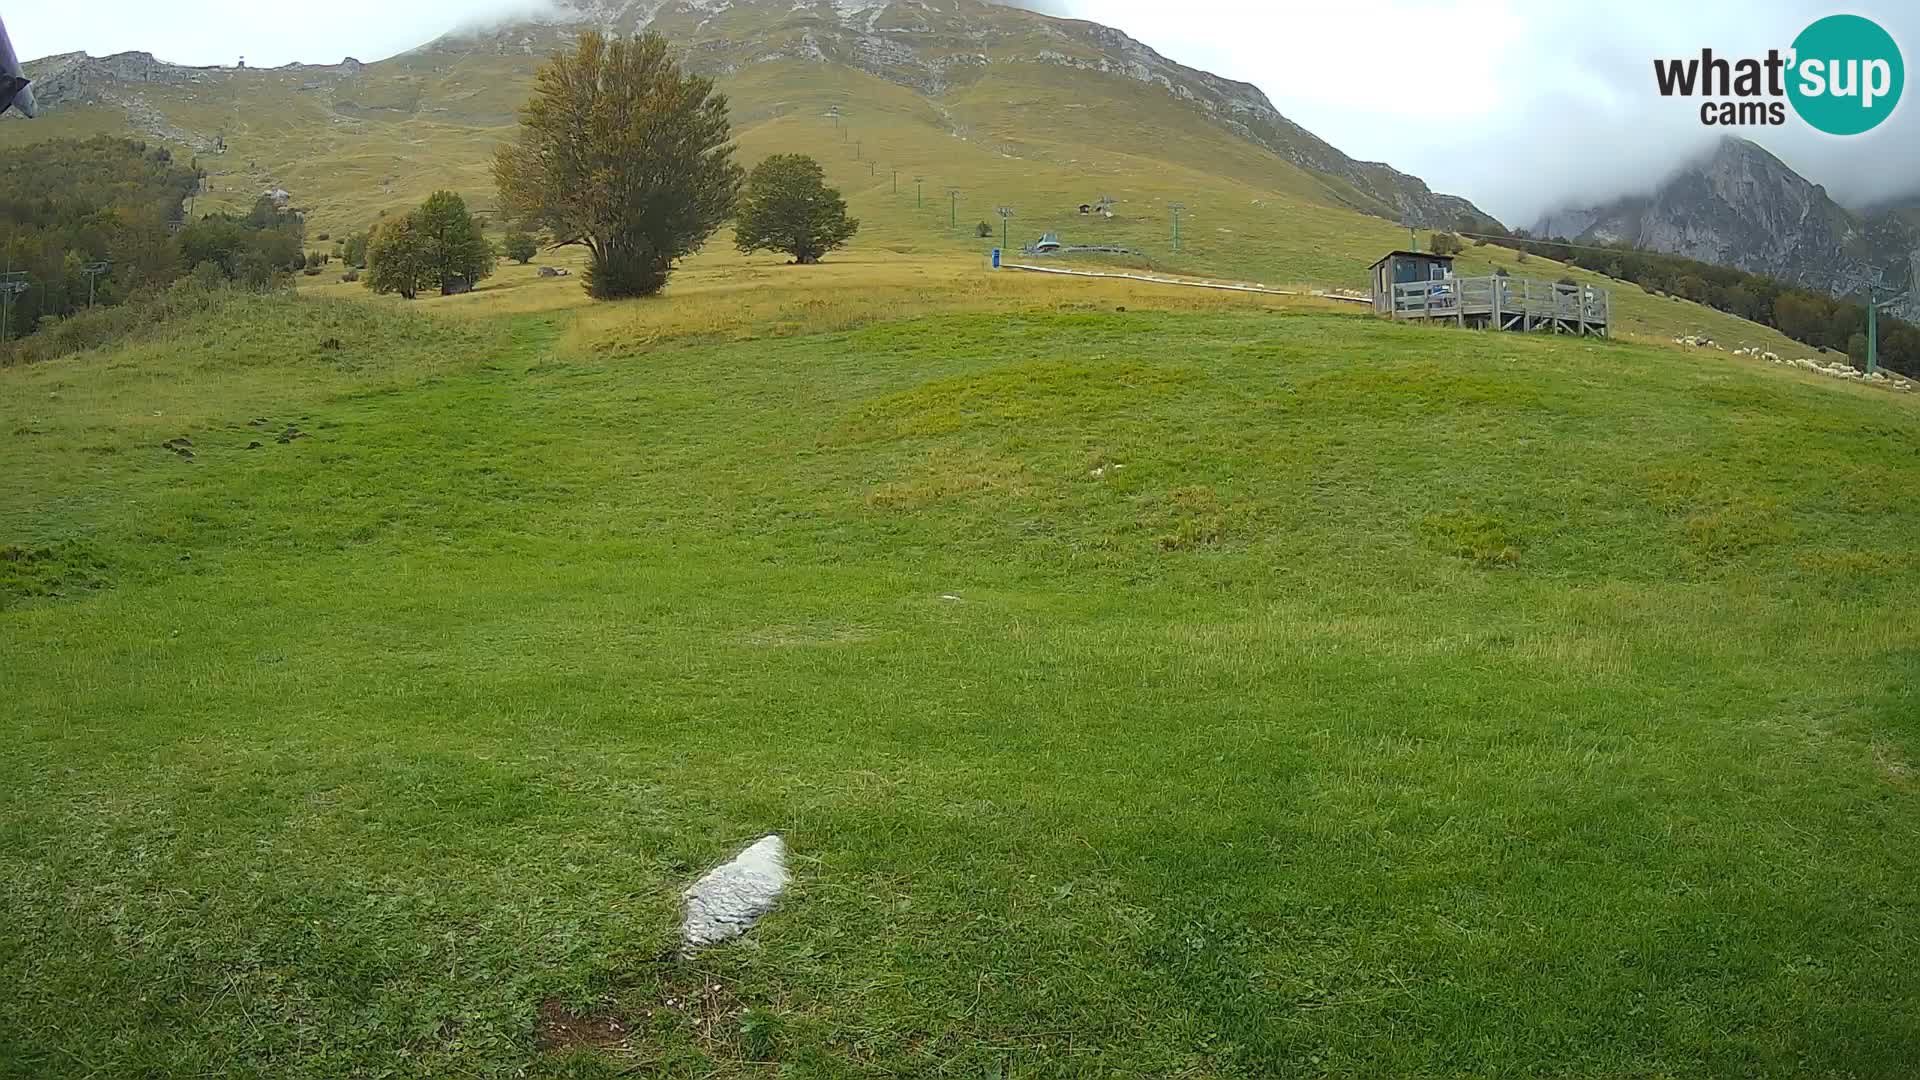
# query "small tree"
(520, 247)
(983, 230)
(455, 248)
(355, 250)
(789, 207)
(398, 260)
(623, 153)
(1445, 243)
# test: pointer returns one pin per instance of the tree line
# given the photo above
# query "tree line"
(66, 205)
(1813, 318)
(100, 222)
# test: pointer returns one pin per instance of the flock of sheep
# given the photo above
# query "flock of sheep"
(1836, 370)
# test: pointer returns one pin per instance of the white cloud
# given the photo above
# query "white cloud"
(268, 35)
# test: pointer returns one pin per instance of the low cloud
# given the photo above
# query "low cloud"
(221, 31)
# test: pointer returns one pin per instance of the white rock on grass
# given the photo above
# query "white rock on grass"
(727, 902)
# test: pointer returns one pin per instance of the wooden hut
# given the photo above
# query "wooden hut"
(1405, 268)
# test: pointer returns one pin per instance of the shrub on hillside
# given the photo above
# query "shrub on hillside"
(253, 270)
(208, 275)
(1445, 243)
(250, 249)
(789, 207)
(983, 230)
(519, 247)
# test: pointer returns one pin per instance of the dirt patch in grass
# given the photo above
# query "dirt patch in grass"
(561, 1030)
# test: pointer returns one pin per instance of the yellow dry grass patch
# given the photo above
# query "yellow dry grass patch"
(720, 295)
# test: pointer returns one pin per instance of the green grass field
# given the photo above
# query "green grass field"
(1217, 687)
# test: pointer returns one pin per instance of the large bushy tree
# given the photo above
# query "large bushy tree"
(789, 207)
(622, 152)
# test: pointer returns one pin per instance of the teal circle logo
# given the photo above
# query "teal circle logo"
(1847, 75)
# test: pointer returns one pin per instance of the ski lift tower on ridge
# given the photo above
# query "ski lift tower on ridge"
(1875, 304)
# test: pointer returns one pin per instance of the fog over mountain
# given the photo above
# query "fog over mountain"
(1537, 108)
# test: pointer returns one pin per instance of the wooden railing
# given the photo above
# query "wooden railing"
(1502, 298)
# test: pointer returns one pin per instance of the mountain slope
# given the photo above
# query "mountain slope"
(942, 51)
(938, 48)
(1743, 207)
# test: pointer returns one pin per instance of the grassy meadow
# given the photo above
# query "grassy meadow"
(1149, 683)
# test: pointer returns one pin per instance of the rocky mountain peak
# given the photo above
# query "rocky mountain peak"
(1740, 206)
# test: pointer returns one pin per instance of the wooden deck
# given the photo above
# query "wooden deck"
(1504, 303)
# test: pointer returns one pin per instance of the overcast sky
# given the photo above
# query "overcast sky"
(1554, 101)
